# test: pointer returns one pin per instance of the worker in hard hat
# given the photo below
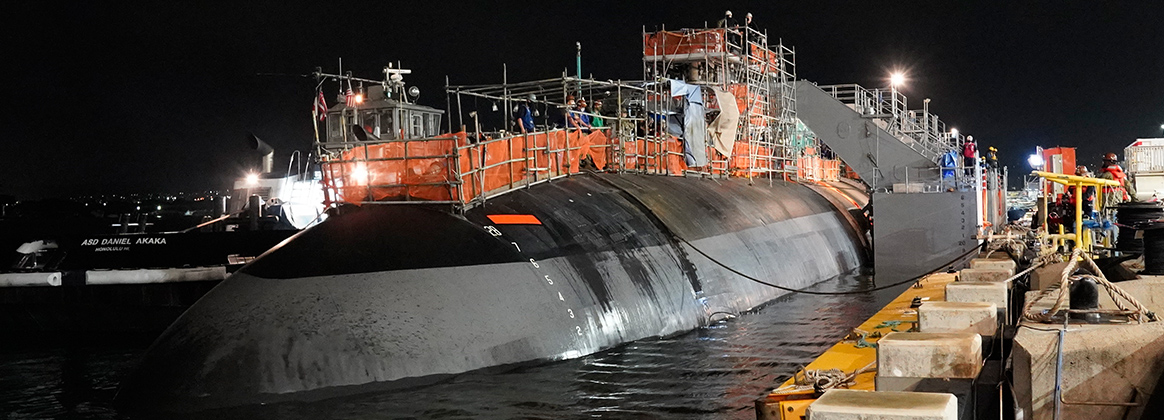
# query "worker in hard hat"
(992, 158)
(1088, 196)
(969, 155)
(1113, 196)
(525, 116)
(731, 26)
(727, 21)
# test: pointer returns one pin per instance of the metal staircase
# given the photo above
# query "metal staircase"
(921, 131)
(874, 134)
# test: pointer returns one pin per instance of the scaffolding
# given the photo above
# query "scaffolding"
(388, 151)
(761, 77)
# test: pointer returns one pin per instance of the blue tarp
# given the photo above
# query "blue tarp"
(949, 163)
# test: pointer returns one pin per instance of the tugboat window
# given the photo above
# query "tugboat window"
(417, 126)
(387, 126)
(371, 123)
(334, 128)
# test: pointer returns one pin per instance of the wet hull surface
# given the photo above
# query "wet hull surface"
(401, 295)
(714, 372)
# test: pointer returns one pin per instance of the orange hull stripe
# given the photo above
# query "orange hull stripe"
(514, 219)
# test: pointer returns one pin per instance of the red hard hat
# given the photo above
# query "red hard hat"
(1111, 157)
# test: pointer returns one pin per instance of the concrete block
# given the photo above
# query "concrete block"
(1047, 275)
(1103, 363)
(847, 404)
(929, 355)
(994, 263)
(951, 317)
(984, 274)
(977, 291)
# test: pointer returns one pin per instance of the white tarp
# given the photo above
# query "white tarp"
(723, 128)
(694, 126)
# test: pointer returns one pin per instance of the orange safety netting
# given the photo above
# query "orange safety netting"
(655, 156)
(818, 169)
(550, 154)
(691, 42)
(393, 171)
(742, 162)
(430, 169)
(769, 58)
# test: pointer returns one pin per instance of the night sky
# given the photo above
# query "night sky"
(110, 97)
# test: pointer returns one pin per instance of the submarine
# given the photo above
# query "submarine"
(693, 201)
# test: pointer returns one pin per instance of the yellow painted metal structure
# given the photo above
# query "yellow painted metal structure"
(789, 401)
(1081, 238)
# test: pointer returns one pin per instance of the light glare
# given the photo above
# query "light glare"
(360, 175)
(252, 179)
(896, 79)
(1036, 161)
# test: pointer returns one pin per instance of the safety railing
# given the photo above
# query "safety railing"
(459, 169)
(923, 132)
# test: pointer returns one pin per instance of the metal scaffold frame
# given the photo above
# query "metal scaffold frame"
(470, 164)
(739, 60)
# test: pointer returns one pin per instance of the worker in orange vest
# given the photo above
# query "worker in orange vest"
(1113, 196)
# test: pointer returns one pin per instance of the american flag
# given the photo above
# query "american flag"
(350, 98)
(320, 106)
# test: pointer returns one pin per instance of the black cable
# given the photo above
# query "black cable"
(812, 292)
(647, 210)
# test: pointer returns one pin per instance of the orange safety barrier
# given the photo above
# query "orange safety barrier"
(742, 162)
(396, 170)
(688, 42)
(656, 157)
(817, 169)
(449, 167)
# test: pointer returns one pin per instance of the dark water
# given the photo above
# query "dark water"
(711, 373)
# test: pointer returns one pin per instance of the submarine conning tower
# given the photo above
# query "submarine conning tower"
(571, 228)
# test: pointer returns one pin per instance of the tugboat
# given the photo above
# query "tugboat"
(576, 231)
(134, 279)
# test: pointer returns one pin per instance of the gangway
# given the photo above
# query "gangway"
(872, 131)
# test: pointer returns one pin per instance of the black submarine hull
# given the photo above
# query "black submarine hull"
(398, 293)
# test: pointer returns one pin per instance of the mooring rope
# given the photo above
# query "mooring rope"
(1065, 278)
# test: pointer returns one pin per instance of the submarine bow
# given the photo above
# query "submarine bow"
(398, 295)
